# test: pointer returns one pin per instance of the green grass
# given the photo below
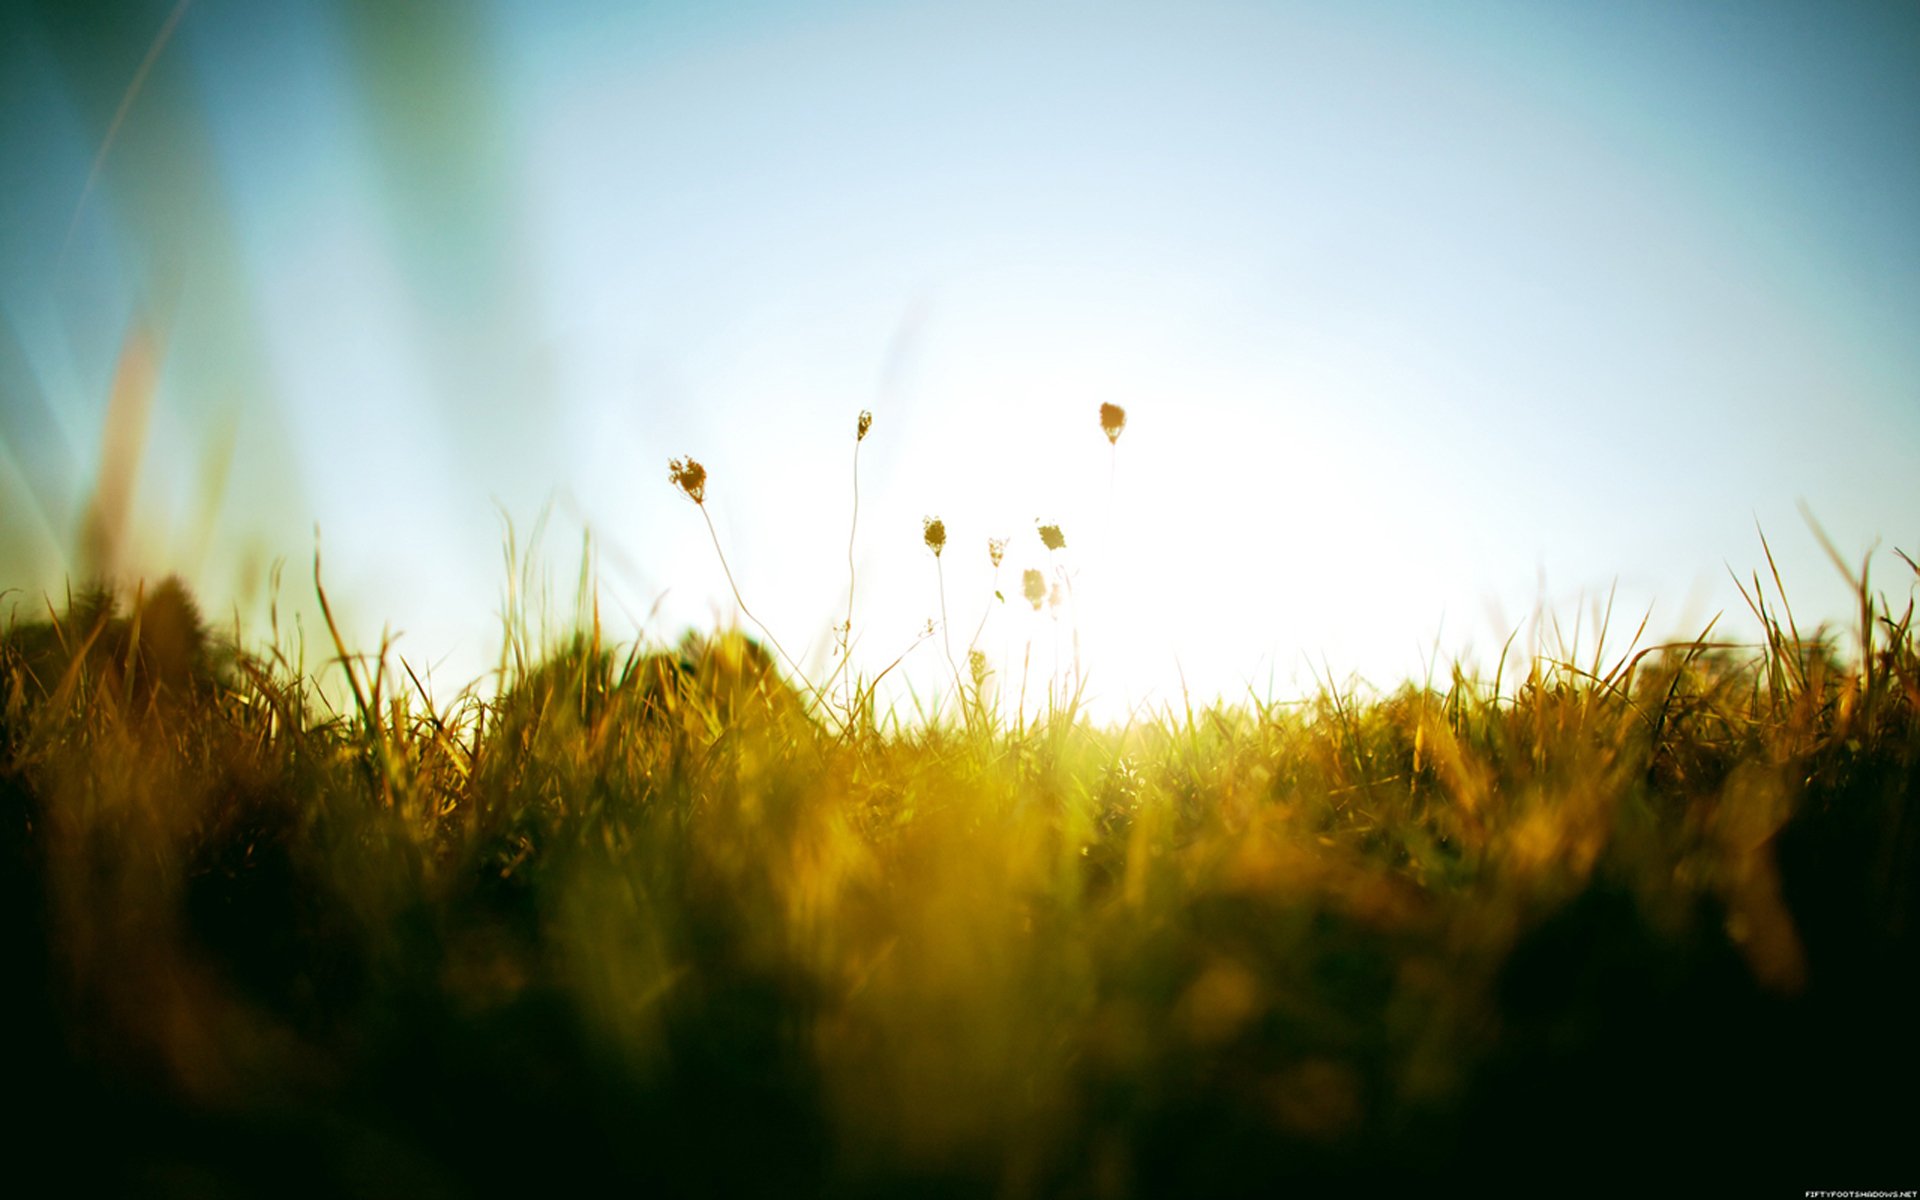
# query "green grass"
(652, 916)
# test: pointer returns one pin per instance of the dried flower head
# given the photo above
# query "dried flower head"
(1052, 538)
(934, 530)
(690, 477)
(979, 668)
(1034, 586)
(866, 423)
(1113, 419)
(996, 550)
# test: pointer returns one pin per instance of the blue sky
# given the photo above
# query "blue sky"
(1423, 315)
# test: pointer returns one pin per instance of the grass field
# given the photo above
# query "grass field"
(651, 916)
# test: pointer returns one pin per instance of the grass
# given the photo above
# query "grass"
(659, 917)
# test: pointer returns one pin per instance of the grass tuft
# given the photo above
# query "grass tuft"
(645, 910)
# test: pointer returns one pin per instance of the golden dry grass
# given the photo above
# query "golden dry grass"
(646, 915)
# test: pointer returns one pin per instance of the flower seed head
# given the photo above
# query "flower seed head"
(1034, 586)
(690, 477)
(996, 550)
(934, 530)
(1113, 419)
(979, 668)
(1052, 538)
(866, 423)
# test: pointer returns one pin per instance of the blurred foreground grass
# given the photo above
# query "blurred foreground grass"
(641, 919)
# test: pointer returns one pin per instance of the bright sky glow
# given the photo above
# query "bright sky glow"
(1422, 316)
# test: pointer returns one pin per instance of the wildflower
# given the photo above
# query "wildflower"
(934, 530)
(866, 423)
(1034, 585)
(690, 477)
(996, 550)
(1113, 419)
(979, 668)
(1052, 538)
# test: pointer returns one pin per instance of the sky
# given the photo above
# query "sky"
(1427, 320)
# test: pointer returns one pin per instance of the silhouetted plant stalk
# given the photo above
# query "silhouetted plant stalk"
(934, 532)
(1061, 594)
(1113, 421)
(861, 428)
(996, 553)
(691, 478)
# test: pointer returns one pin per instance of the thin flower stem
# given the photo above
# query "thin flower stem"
(846, 632)
(986, 613)
(747, 612)
(851, 531)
